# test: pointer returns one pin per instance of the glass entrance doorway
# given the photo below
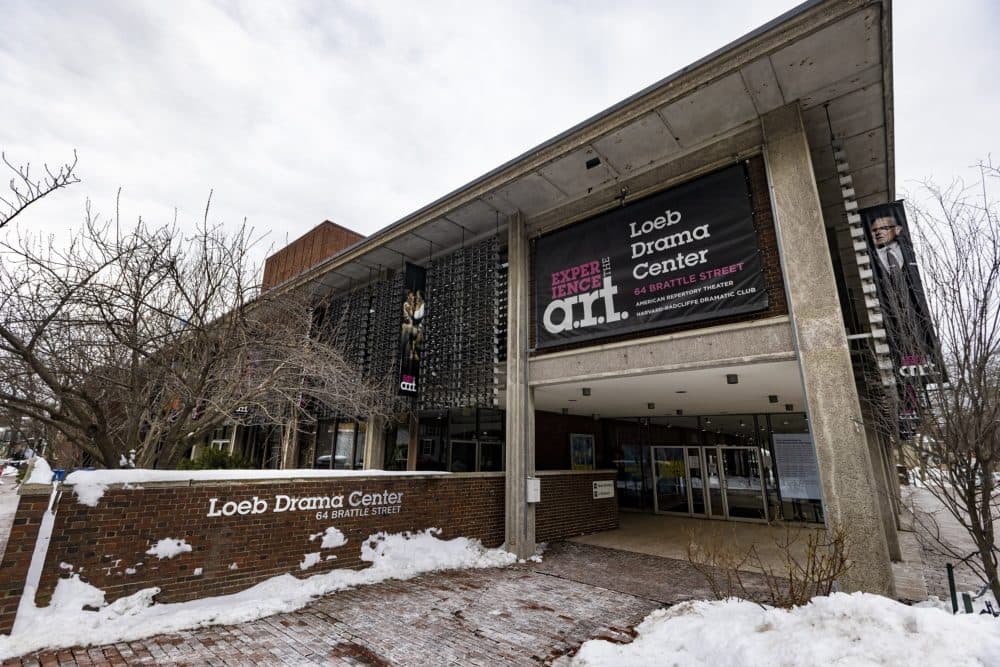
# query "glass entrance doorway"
(715, 482)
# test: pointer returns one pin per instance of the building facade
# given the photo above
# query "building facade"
(674, 289)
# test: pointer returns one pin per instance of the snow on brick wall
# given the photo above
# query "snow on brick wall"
(109, 544)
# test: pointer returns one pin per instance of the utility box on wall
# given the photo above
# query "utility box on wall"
(533, 490)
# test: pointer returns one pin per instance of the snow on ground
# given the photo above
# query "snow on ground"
(856, 629)
(395, 556)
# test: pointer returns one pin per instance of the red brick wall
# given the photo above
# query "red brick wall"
(17, 556)
(568, 507)
(321, 242)
(552, 433)
(105, 542)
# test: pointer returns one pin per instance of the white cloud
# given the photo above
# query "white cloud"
(363, 112)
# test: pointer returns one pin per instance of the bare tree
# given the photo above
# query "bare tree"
(26, 188)
(953, 412)
(146, 339)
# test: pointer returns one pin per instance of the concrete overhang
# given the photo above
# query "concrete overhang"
(832, 56)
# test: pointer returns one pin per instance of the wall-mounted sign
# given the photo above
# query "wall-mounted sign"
(604, 489)
(688, 254)
(411, 331)
(798, 473)
(335, 506)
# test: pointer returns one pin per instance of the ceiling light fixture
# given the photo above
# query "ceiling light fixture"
(732, 378)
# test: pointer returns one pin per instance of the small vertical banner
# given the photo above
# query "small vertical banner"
(411, 331)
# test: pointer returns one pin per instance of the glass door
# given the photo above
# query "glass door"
(742, 483)
(715, 482)
(670, 481)
(697, 480)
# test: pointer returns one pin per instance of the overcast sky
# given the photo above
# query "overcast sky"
(362, 112)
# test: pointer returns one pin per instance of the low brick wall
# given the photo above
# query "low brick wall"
(17, 555)
(243, 532)
(568, 507)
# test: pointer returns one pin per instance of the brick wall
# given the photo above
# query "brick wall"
(17, 556)
(568, 507)
(321, 242)
(107, 544)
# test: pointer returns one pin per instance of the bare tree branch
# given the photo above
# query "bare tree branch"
(25, 189)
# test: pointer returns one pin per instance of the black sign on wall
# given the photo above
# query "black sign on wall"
(688, 254)
(411, 330)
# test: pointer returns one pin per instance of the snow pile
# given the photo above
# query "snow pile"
(137, 616)
(8, 471)
(332, 538)
(141, 475)
(856, 629)
(168, 547)
(41, 473)
(309, 560)
(89, 493)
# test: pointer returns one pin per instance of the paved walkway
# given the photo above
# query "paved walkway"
(943, 541)
(523, 615)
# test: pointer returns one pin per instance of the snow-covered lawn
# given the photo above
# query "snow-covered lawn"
(65, 622)
(857, 629)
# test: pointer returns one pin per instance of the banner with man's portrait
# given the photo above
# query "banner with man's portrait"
(909, 329)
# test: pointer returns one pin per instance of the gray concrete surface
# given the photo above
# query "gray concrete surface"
(850, 492)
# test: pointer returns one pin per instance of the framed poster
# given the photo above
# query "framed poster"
(581, 451)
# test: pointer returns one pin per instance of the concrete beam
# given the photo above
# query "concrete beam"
(520, 456)
(850, 492)
(758, 341)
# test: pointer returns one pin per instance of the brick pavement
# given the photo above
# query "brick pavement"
(522, 615)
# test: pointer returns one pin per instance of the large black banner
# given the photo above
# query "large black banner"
(688, 254)
(910, 333)
(411, 331)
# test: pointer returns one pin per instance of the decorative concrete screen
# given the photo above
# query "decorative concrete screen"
(204, 537)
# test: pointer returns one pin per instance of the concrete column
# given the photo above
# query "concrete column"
(884, 495)
(375, 444)
(850, 494)
(520, 457)
(411, 449)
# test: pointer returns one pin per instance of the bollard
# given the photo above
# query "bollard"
(951, 588)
